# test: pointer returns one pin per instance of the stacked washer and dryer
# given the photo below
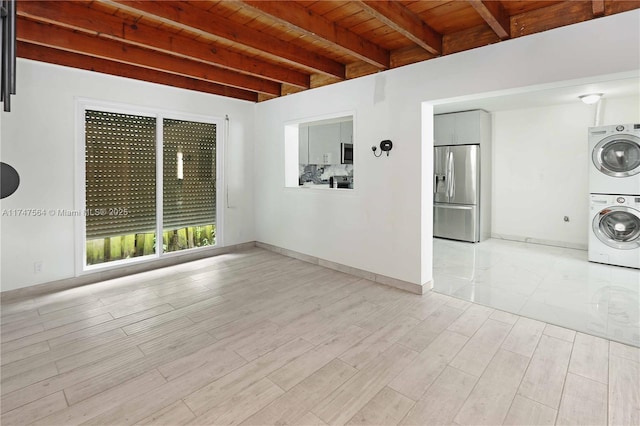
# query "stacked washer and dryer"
(614, 186)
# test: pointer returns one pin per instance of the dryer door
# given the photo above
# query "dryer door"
(618, 155)
(618, 227)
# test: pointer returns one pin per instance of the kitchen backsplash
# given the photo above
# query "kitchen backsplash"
(320, 173)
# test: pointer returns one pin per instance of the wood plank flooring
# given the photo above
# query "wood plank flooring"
(256, 338)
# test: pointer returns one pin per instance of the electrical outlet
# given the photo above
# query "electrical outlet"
(37, 267)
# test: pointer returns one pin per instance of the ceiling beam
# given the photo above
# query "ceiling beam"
(298, 18)
(546, 18)
(80, 16)
(75, 60)
(470, 38)
(410, 55)
(598, 8)
(404, 21)
(187, 16)
(495, 15)
(73, 41)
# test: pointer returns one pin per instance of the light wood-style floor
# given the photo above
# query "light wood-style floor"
(257, 338)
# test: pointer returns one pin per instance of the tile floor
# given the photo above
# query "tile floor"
(256, 338)
(551, 284)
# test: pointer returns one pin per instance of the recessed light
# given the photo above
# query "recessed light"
(591, 98)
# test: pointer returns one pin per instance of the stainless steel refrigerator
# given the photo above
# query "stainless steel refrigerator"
(456, 192)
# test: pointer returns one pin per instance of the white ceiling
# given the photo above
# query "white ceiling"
(562, 93)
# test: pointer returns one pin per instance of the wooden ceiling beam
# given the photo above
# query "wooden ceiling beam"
(598, 8)
(187, 16)
(80, 16)
(546, 18)
(404, 21)
(75, 60)
(298, 18)
(495, 15)
(468, 39)
(73, 41)
(410, 55)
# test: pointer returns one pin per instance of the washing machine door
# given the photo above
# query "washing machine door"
(618, 155)
(618, 227)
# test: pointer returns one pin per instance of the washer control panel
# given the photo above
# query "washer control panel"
(599, 200)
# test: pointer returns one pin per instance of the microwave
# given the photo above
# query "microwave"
(346, 153)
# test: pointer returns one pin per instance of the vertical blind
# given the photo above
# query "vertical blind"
(189, 199)
(120, 168)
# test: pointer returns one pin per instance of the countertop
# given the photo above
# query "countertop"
(314, 185)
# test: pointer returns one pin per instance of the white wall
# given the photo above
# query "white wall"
(540, 169)
(382, 225)
(38, 139)
(336, 225)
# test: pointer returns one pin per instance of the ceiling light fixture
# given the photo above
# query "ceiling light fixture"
(591, 98)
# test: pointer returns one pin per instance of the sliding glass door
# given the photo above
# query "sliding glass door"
(120, 182)
(189, 185)
(150, 185)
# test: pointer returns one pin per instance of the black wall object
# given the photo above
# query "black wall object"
(9, 180)
(385, 146)
(8, 48)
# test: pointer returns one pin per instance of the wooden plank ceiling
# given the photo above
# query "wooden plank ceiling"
(258, 50)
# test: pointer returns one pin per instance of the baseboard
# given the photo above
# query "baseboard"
(380, 279)
(94, 277)
(563, 244)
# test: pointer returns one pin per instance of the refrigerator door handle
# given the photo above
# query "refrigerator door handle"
(451, 171)
(454, 206)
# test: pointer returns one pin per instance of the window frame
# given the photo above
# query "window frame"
(82, 105)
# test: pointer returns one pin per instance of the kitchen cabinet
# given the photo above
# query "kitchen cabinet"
(303, 144)
(460, 128)
(321, 143)
(443, 129)
(346, 132)
(324, 144)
